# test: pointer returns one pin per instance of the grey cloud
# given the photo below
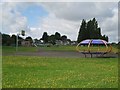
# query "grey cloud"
(80, 10)
(12, 20)
(105, 12)
(66, 18)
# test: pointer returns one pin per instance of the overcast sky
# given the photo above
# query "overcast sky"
(63, 17)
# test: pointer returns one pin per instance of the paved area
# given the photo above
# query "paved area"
(63, 54)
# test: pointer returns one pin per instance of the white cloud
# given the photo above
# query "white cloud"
(110, 26)
(51, 24)
(63, 17)
(12, 20)
(76, 11)
(106, 14)
(60, 0)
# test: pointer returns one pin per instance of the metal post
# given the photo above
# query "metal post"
(17, 43)
(23, 33)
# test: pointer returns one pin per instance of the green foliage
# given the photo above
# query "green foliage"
(6, 40)
(45, 37)
(45, 72)
(64, 38)
(82, 32)
(52, 39)
(29, 39)
(13, 39)
(57, 36)
(90, 30)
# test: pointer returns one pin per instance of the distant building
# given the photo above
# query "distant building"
(60, 42)
(38, 42)
(26, 43)
(74, 42)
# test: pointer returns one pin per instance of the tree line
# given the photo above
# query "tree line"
(8, 40)
(90, 30)
(52, 38)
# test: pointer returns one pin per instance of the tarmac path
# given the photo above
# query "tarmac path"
(71, 54)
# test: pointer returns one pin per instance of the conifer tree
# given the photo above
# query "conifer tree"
(90, 30)
(82, 31)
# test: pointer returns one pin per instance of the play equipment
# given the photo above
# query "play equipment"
(94, 46)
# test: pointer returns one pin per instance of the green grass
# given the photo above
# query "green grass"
(46, 72)
(11, 49)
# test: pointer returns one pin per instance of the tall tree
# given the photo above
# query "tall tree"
(90, 30)
(82, 31)
(45, 37)
(52, 39)
(6, 39)
(104, 37)
(13, 37)
(64, 38)
(57, 36)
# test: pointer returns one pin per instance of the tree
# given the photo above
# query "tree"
(52, 39)
(36, 40)
(82, 31)
(104, 37)
(99, 32)
(20, 39)
(90, 30)
(57, 36)
(64, 38)
(6, 39)
(45, 37)
(29, 39)
(13, 37)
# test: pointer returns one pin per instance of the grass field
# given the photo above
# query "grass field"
(54, 72)
(45, 72)
(10, 49)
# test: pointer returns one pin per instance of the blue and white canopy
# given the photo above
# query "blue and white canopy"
(93, 41)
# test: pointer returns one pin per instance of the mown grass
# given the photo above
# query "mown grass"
(11, 49)
(46, 72)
